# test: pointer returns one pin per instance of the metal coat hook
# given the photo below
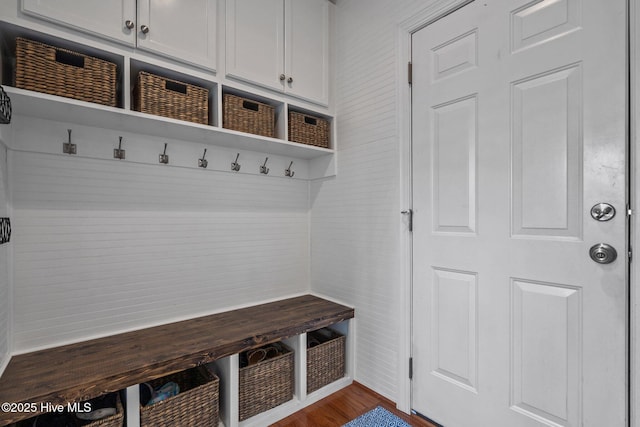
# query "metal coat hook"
(288, 172)
(118, 153)
(235, 166)
(164, 158)
(264, 169)
(202, 163)
(68, 147)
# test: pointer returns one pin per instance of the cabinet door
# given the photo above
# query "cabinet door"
(99, 17)
(255, 41)
(307, 49)
(182, 30)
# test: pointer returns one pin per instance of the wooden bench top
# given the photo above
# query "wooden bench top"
(89, 369)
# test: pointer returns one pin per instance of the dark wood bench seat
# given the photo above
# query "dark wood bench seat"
(89, 369)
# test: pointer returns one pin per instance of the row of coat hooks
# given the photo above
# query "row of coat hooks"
(119, 153)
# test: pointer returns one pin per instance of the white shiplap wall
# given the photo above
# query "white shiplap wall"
(355, 218)
(5, 299)
(104, 246)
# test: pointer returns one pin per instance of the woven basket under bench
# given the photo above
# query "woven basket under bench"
(266, 384)
(115, 420)
(48, 69)
(326, 360)
(195, 406)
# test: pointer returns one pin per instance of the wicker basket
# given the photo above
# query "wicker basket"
(247, 115)
(325, 361)
(171, 98)
(195, 406)
(266, 384)
(115, 420)
(309, 130)
(62, 72)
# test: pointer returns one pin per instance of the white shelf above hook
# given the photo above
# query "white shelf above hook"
(55, 108)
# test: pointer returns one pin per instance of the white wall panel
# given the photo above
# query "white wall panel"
(352, 255)
(103, 246)
(355, 217)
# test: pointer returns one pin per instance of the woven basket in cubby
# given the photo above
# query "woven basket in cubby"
(326, 360)
(49, 69)
(266, 384)
(247, 115)
(166, 97)
(195, 406)
(307, 129)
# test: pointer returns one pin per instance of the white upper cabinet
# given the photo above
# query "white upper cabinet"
(185, 30)
(280, 44)
(181, 30)
(307, 49)
(107, 18)
(255, 41)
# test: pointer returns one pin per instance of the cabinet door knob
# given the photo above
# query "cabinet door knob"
(144, 29)
(290, 80)
(129, 24)
(282, 77)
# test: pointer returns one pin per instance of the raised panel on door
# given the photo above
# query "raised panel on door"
(255, 41)
(106, 18)
(182, 30)
(307, 49)
(546, 339)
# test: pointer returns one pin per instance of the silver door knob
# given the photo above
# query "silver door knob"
(603, 253)
(129, 24)
(290, 80)
(282, 77)
(144, 29)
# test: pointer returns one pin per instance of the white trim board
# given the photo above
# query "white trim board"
(634, 182)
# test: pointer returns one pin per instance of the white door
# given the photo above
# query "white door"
(108, 18)
(307, 49)
(255, 42)
(518, 111)
(182, 30)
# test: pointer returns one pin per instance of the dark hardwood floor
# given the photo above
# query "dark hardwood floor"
(342, 407)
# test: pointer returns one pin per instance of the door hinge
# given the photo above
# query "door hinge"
(410, 213)
(410, 73)
(411, 368)
(630, 254)
(629, 211)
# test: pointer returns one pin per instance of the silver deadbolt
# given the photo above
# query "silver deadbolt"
(603, 253)
(603, 212)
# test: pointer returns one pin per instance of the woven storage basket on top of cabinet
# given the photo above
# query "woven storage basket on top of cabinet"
(266, 384)
(310, 130)
(171, 98)
(247, 115)
(325, 361)
(62, 72)
(195, 406)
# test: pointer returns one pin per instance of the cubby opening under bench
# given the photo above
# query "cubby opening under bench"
(85, 370)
